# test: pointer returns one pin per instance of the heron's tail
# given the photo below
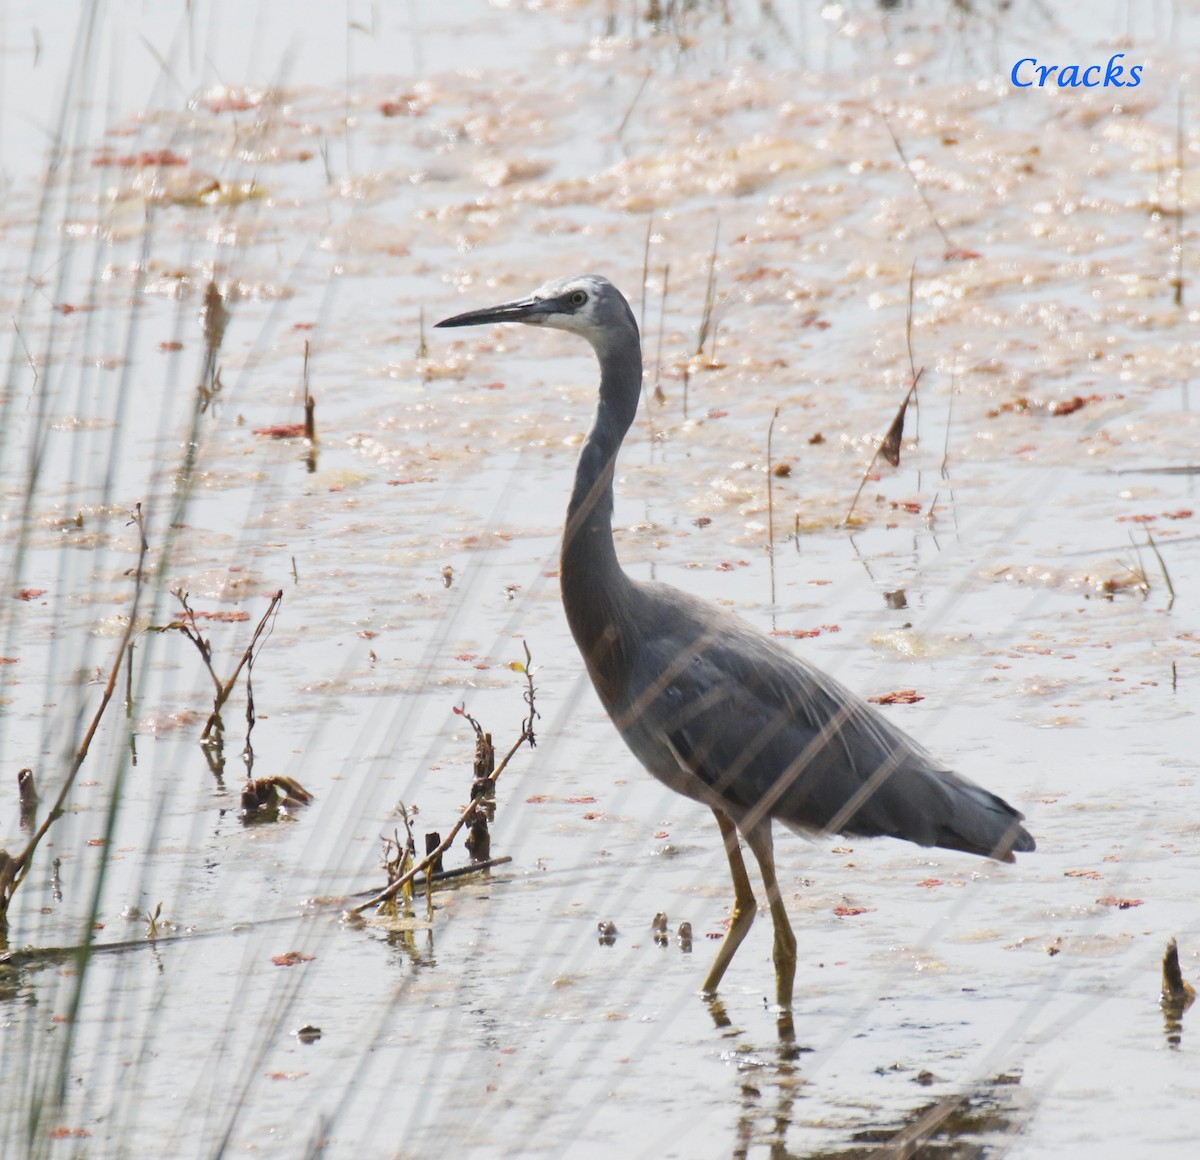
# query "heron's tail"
(979, 822)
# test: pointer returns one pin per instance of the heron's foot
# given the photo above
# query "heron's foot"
(785, 965)
(785, 982)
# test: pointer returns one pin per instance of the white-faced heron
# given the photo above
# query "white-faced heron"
(713, 708)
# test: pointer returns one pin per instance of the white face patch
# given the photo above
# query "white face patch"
(582, 318)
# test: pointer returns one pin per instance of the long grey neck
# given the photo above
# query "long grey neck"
(595, 590)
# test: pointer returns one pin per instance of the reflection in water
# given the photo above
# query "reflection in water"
(784, 1024)
(1173, 1010)
(717, 1010)
(213, 748)
(1177, 995)
(961, 1126)
(966, 1126)
(405, 941)
(758, 1074)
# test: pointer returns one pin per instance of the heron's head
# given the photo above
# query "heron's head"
(586, 304)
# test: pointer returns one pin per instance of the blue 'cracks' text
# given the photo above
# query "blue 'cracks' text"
(1027, 72)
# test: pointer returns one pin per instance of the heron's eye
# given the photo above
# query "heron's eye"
(578, 298)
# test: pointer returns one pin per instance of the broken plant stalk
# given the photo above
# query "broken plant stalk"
(477, 803)
(394, 888)
(889, 447)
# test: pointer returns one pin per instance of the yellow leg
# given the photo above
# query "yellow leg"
(760, 842)
(743, 904)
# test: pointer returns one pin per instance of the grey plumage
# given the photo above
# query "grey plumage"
(711, 707)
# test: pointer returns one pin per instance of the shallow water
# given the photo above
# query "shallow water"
(462, 163)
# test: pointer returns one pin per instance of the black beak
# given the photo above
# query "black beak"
(523, 310)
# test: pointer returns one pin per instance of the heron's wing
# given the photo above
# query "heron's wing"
(770, 735)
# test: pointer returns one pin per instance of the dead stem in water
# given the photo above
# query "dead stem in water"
(13, 871)
(27, 795)
(189, 627)
(710, 294)
(645, 271)
(949, 419)
(659, 397)
(771, 504)
(950, 248)
(1177, 249)
(889, 446)
(633, 105)
(310, 404)
(1162, 564)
